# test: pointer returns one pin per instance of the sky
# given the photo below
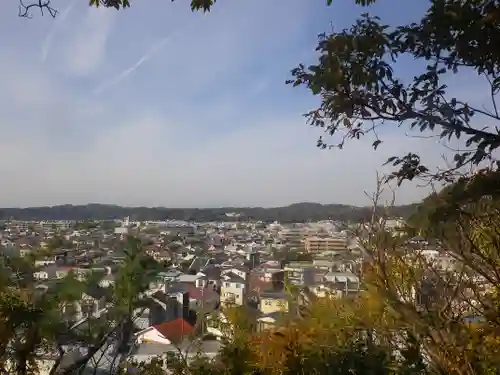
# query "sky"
(159, 106)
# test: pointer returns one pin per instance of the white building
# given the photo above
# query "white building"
(233, 286)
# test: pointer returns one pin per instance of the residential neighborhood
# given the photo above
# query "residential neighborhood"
(198, 270)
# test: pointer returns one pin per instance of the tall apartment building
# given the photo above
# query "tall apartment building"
(294, 237)
(48, 225)
(316, 244)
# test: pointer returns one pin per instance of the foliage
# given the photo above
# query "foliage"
(39, 319)
(291, 255)
(86, 225)
(328, 339)
(25, 10)
(434, 301)
(296, 256)
(203, 5)
(360, 90)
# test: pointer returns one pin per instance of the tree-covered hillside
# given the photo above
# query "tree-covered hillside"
(299, 212)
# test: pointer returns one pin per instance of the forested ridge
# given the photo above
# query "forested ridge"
(298, 212)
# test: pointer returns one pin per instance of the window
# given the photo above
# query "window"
(227, 285)
(268, 302)
(238, 285)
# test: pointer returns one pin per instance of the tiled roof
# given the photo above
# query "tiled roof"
(174, 330)
(160, 296)
(233, 278)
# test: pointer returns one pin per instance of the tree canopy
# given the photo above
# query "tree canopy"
(360, 90)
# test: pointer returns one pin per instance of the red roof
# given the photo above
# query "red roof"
(174, 330)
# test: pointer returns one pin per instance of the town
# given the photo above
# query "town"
(259, 187)
(199, 269)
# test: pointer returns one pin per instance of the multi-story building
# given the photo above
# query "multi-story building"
(317, 244)
(294, 237)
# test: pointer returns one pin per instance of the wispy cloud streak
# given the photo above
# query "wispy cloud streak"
(49, 38)
(155, 48)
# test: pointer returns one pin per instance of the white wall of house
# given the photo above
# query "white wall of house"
(204, 281)
(272, 305)
(151, 335)
(201, 282)
(232, 293)
(219, 326)
(322, 291)
(44, 262)
(236, 271)
(41, 275)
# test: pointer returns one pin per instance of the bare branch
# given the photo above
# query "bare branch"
(25, 10)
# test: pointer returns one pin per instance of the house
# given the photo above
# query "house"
(45, 273)
(347, 282)
(6, 244)
(156, 285)
(324, 264)
(295, 272)
(262, 279)
(45, 261)
(169, 275)
(253, 259)
(146, 351)
(218, 325)
(107, 281)
(271, 302)
(25, 251)
(240, 271)
(198, 263)
(169, 305)
(209, 277)
(203, 299)
(159, 254)
(92, 303)
(322, 290)
(187, 278)
(172, 332)
(418, 240)
(143, 318)
(233, 289)
(51, 272)
(268, 321)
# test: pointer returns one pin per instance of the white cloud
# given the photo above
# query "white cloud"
(87, 49)
(201, 124)
(47, 41)
(151, 52)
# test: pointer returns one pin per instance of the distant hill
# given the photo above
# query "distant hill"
(298, 212)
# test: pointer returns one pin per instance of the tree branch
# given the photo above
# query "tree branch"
(24, 10)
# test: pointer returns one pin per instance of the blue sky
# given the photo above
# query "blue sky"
(156, 105)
